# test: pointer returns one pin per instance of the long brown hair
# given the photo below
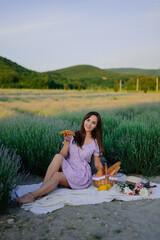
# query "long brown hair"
(96, 133)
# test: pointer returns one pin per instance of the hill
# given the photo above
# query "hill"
(87, 76)
(75, 77)
(83, 71)
(135, 71)
(13, 75)
(79, 77)
(8, 65)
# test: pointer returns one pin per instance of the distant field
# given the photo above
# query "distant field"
(53, 102)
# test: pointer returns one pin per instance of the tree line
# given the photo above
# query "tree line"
(79, 77)
(11, 79)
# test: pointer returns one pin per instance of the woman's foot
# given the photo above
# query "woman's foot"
(27, 198)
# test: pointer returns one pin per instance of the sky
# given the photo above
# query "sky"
(45, 35)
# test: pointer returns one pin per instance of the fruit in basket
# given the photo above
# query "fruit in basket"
(108, 185)
(104, 187)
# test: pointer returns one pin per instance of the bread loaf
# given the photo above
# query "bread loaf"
(100, 172)
(115, 170)
(109, 171)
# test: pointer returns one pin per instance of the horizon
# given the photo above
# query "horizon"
(84, 65)
(51, 35)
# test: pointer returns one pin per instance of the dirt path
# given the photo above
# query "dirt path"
(115, 220)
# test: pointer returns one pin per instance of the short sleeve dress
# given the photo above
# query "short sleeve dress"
(76, 167)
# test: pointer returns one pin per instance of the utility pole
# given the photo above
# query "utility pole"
(120, 85)
(137, 85)
(156, 84)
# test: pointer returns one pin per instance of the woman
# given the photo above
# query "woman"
(70, 167)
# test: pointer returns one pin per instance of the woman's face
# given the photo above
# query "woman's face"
(90, 123)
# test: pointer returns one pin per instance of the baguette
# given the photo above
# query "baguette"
(115, 170)
(113, 167)
(68, 132)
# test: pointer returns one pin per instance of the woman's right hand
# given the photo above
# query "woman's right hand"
(67, 137)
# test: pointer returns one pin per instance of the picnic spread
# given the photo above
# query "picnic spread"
(113, 187)
(106, 178)
(107, 185)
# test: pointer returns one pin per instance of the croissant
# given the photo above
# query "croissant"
(68, 132)
(109, 171)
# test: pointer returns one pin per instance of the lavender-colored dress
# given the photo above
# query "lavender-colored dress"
(76, 167)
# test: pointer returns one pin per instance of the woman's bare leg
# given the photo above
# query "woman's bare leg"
(54, 167)
(51, 184)
(47, 187)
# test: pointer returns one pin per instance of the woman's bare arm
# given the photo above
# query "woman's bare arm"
(64, 150)
(97, 162)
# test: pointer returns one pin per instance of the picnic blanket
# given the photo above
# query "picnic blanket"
(64, 196)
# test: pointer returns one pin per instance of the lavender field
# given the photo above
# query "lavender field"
(32, 120)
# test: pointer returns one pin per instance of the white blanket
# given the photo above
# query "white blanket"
(64, 196)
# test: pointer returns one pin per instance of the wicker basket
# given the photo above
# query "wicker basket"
(112, 179)
(101, 180)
